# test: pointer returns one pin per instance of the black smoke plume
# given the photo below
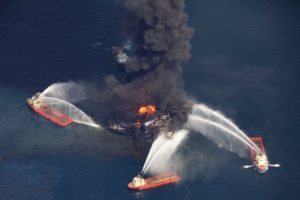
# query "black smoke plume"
(161, 40)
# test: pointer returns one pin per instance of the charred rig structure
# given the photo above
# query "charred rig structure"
(148, 124)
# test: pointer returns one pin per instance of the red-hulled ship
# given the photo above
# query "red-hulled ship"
(259, 160)
(55, 116)
(139, 183)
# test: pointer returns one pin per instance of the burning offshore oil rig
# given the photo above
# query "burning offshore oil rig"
(149, 123)
(160, 44)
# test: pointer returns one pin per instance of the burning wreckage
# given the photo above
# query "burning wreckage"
(148, 124)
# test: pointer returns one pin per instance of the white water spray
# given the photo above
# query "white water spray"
(274, 165)
(215, 126)
(59, 95)
(198, 123)
(216, 116)
(270, 165)
(247, 166)
(159, 142)
(159, 157)
(69, 91)
(69, 109)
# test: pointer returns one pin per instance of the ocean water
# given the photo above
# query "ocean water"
(245, 63)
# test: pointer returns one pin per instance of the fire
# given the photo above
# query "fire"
(148, 110)
(138, 124)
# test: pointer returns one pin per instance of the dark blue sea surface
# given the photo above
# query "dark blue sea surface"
(245, 63)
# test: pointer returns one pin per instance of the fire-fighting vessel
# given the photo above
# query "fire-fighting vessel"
(140, 183)
(259, 160)
(55, 116)
(120, 55)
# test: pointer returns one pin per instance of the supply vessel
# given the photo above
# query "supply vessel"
(140, 183)
(53, 115)
(119, 55)
(259, 160)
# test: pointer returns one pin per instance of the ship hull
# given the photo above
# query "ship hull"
(52, 115)
(259, 142)
(157, 181)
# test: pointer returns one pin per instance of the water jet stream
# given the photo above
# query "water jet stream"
(247, 166)
(159, 142)
(69, 109)
(59, 97)
(207, 113)
(68, 91)
(159, 157)
(274, 165)
(190, 124)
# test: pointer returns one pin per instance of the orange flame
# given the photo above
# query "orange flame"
(148, 110)
(138, 124)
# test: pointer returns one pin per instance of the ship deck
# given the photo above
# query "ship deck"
(157, 181)
(161, 178)
(259, 143)
(53, 115)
